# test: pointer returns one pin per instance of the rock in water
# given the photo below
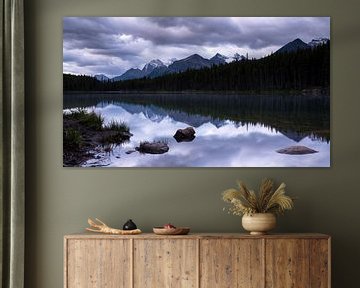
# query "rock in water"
(296, 150)
(185, 135)
(153, 147)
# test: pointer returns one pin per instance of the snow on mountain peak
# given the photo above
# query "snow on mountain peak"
(318, 41)
(153, 64)
(156, 63)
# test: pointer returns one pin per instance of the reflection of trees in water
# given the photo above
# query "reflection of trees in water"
(303, 115)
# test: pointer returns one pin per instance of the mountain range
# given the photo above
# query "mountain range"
(156, 68)
(298, 44)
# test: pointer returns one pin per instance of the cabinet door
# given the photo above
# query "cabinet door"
(98, 263)
(231, 263)
(165, 263)
(320, 263)
(287, 263)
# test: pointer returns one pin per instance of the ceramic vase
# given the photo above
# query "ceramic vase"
(259, 223)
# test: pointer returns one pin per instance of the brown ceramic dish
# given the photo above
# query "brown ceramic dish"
(171, 231)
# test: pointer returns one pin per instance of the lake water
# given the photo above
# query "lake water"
(231, 130)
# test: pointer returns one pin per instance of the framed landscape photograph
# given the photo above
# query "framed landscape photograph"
(196, 92)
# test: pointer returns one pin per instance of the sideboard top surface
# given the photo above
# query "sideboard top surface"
(199, 236)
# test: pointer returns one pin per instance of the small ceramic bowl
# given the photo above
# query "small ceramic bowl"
(171, 231)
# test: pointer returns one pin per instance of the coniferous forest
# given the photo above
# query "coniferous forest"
(299, 70)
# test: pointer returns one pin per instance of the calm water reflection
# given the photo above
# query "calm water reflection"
(231, 130)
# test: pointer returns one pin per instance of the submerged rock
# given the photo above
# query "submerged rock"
(153, 147)
(296, 150)
(185, 135)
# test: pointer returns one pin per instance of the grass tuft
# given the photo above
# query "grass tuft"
(88, 119)
(72, 138)
(114, 133)
(117, 126)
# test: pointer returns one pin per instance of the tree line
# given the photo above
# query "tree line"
(302, 69)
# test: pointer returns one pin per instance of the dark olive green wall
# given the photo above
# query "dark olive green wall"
(59, 200)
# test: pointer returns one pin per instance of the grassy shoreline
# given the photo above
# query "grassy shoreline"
(84, 134)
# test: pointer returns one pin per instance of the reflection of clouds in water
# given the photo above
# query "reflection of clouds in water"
(226, 146)
(230, 129)
(140, 125)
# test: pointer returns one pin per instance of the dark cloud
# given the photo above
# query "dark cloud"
(195, 30)
(125, 42)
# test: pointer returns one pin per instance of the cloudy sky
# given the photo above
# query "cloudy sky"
(112, 45)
